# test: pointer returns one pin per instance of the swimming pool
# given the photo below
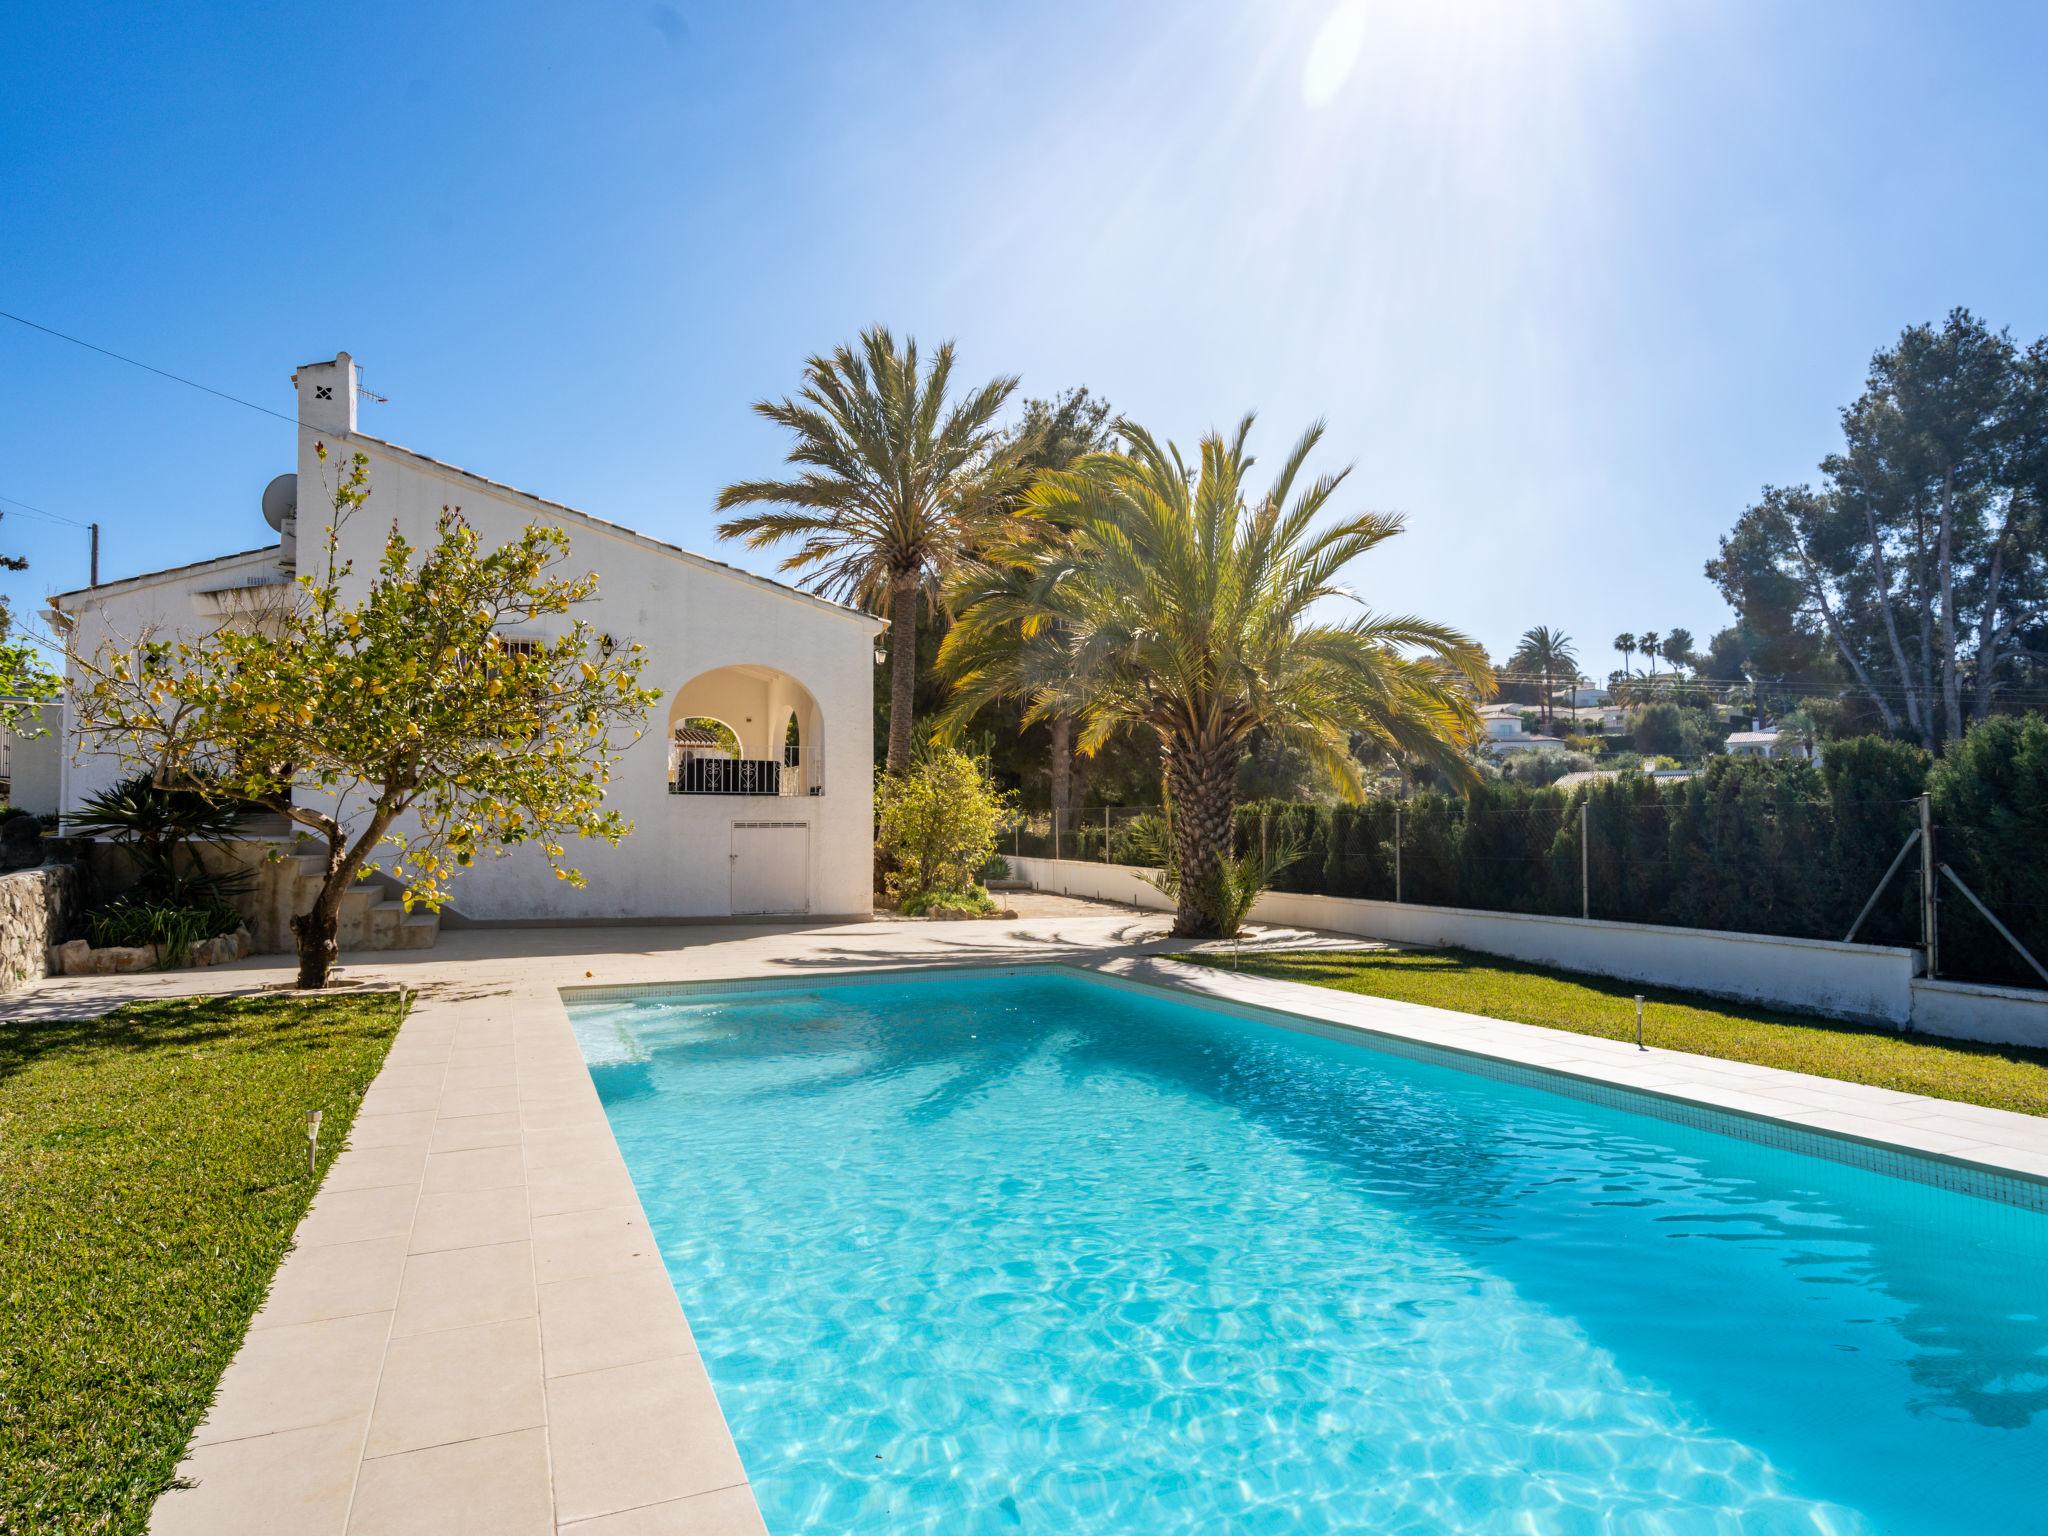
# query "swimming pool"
(1040, 1252)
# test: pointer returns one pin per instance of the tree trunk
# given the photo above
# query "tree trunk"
(317, 928)
(1061, 763)
(1203, 781)
(1816, 587)
(1951, 691)
(902, 669)
(1923, 594)
(1891, 626)
(1987, 622)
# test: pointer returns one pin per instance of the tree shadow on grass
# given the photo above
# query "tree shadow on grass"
(254, 1021)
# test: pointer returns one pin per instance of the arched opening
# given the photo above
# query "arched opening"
(745, 730)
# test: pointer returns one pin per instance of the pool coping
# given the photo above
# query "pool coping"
(474, 1329)
(475, 1323)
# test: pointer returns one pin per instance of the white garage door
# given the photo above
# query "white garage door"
(771, 868)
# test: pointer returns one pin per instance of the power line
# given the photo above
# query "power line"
(161, 373)
(53, 517)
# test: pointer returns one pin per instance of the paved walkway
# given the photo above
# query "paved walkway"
(474, 1331)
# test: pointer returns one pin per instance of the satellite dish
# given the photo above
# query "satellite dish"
(281, 500)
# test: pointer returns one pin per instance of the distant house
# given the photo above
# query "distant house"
(1506, 733)
(1771, 743)
(1580, 698)
(29, 765)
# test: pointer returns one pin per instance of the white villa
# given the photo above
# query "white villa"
(1506, 733)
(1769, 743)
(771, 815)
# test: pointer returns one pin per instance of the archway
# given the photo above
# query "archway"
(745, 730)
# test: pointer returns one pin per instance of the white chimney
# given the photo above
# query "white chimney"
(327, 395)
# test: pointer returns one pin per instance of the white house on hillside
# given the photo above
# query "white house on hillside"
(1770, 743)
(773, 814)
(1505, 732)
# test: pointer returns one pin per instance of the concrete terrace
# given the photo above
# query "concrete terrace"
(475, 1331)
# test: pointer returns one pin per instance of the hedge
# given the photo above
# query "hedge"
(1748, 844)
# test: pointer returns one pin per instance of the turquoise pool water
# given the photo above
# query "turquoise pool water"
(1035, 1253)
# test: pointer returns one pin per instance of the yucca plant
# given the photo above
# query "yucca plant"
(1187, 605)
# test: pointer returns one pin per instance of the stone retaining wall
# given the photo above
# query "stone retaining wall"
(37, 908)
(78, 958)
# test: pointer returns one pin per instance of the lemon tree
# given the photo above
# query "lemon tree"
(394, 722)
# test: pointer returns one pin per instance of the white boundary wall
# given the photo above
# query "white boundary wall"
(1968, 1010)
(1851, 981)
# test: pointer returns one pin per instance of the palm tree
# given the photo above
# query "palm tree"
(1052, 435)
(1626, 644)
(1546, 653)
(1181, 606)
(892, 479)
(1678, 648)
(1647, 643)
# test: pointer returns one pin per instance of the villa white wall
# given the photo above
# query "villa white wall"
(691, 614)
(121, 613)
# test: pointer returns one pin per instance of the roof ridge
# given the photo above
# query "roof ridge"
(707, 561)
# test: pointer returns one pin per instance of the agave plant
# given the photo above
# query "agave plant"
(1179, 602)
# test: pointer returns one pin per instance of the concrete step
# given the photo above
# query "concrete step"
(385, 917)
(418, 930)
(370, 918)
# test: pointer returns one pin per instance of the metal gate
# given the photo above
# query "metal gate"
(771, 868)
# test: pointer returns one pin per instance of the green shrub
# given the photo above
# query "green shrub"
(1658, 728)
(973, 899)
(1544, 766)
(1140, 840)
(137, 922)
(936, 823)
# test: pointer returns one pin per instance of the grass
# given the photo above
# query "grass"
(2001, 1076)
(152, 1169)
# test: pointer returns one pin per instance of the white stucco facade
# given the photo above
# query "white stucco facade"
(719, 642)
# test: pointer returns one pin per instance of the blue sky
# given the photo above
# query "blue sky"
(1569, 281)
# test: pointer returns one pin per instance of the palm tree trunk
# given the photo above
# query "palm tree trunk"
(1202, 779)
(902, 669)
(1061, 761)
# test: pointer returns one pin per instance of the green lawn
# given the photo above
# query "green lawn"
(2004, 1077)
(152, 1168)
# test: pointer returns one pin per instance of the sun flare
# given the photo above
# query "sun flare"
(1334, 54)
